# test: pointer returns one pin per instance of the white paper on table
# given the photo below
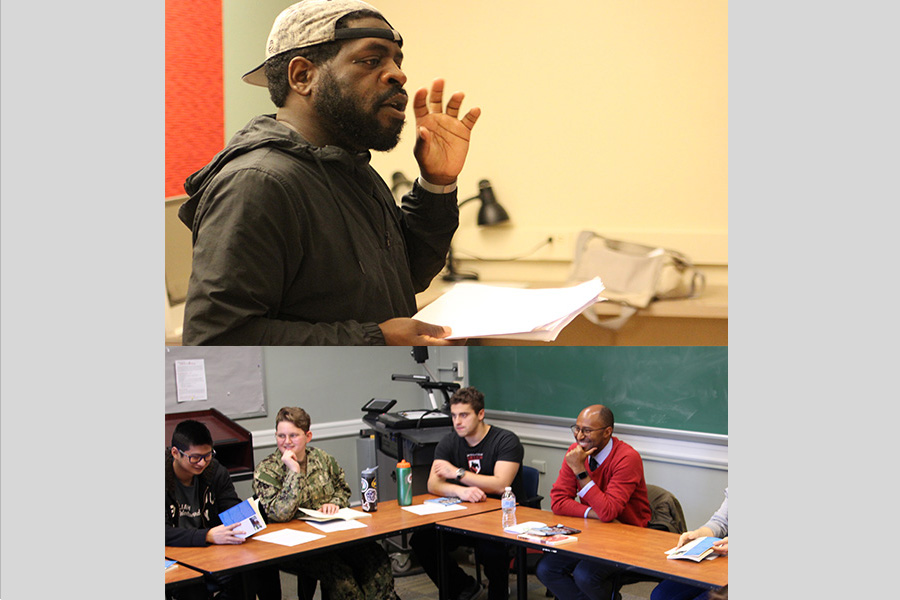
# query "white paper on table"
(288, 537)
(430, 508)
(339, 525)
(523, 527)
(478, 310)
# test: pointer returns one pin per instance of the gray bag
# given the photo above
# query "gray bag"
(634, 275)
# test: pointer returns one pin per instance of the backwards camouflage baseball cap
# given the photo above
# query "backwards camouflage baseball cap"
(312, 22)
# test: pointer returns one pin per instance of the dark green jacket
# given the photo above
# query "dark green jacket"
(299, 245)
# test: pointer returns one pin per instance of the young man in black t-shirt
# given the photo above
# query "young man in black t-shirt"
(475, 461)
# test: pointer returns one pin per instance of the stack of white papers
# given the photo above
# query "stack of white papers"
(523, 527)
(474, 310)
(429, 508)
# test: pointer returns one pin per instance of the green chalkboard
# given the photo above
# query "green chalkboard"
(675, 387)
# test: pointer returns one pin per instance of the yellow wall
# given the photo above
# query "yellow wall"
(606, 115)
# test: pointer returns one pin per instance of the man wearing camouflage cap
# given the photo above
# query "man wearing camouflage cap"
(299, 476)
(297, 239)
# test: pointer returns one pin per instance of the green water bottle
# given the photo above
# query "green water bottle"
(404, 483)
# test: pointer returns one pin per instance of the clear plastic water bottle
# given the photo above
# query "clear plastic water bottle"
(508, 508)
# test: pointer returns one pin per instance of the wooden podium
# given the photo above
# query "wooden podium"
(233, 444)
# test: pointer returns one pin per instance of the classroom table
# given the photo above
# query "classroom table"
(390, 519)
(636, 549)
(182, 575)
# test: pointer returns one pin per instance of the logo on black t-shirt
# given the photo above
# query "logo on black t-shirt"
(475, 461)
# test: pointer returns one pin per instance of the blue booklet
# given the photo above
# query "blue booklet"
(446, 500)
(695, 550)
(247, 514)
(170, 564)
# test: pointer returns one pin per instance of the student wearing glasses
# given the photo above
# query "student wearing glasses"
(198, 488)
(601, 477)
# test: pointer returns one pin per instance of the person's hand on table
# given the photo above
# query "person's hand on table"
(721, 547)
(329, 509)
(470, 494)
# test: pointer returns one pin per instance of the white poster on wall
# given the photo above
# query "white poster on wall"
(190, 380)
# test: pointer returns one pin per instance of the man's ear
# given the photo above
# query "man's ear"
(301, 75)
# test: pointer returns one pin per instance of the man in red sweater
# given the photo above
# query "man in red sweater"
(601, 477)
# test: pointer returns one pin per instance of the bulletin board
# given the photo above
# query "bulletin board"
(233, 378)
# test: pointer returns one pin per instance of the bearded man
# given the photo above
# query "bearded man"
(296, 239)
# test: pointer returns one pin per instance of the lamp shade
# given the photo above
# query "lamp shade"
(490, 213)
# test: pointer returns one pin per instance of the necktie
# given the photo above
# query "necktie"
(592, 462)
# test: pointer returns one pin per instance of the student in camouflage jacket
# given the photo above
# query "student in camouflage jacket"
(299, 476)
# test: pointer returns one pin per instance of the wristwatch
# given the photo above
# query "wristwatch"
(459, 473)
(582, 475)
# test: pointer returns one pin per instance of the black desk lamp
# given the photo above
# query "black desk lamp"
(400, 185)
(490, 213)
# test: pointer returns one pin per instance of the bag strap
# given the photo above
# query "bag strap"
(614, 323)
(581, 244)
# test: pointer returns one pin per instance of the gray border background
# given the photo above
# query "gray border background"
(813, 134)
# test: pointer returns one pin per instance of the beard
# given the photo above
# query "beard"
(351, 124)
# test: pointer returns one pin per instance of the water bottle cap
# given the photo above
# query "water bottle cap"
(403, 464)
(508, 488)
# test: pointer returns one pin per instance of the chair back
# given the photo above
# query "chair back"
(665, 510)
(531, 479)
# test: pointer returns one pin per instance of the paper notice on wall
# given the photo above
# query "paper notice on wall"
(190, 380)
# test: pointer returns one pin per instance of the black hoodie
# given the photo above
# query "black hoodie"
(217, 495)
(299, 245)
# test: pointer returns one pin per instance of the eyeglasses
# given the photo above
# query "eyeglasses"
(294, 436)
(585, 430)
(195, 458)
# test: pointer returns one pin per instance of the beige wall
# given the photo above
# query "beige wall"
(607, 115)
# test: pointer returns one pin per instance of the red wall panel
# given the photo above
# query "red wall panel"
(195, 109)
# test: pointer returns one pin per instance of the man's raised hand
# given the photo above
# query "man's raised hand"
(442, 138)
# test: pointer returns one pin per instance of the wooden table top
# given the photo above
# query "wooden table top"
(633, 548)
(389, 519)
(181, 574)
